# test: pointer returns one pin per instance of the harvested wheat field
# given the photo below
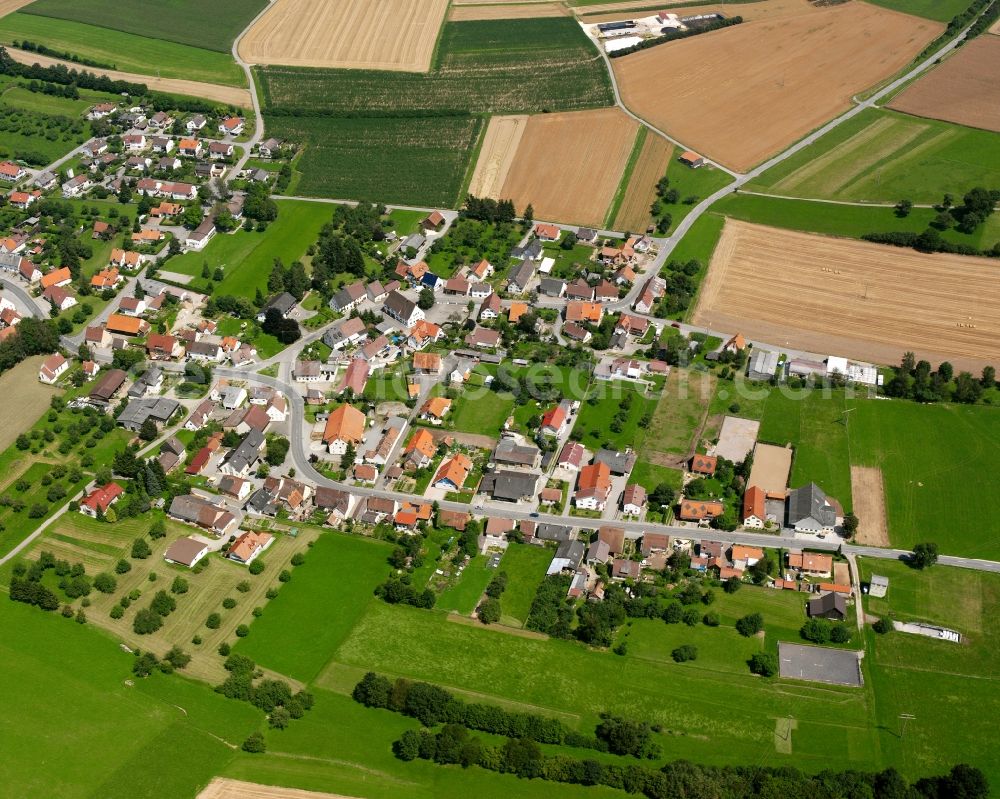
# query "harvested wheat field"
(761, 9)
(515, 11)
(224, 788)
(348, 34)
(868, 499)
(742, 94)
(851, 298)
(25, 398)
(503, 135)
(633, 214)
(568, 166)
(192, 88)
(964, 89)
(10, 6)
(995, 28)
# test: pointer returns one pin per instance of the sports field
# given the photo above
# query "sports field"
(865, 301)
(227, 95)
(654, 158)
(930, 456)
(489, 66)
(246, 258)
(181, 21)
(357, 34)
(780, 78)
(568, 166)
(883, 156)
(963, 89)
(127, 52)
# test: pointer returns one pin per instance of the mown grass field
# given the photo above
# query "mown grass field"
(128, 52)
(940, 10)
(482, 411)
(678, 416)
(246, 258)
(332, 589)
(595, 419)
(183, 21)
(692, 185)
(156, 738)
(463, 596)
(406, 160)
(938, 462)
(884, 156)
(525, 565)
(486, 67)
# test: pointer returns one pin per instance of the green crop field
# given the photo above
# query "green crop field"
(940, 10)
(332, 589)
(595, 422)
(525, 565)
(187, 22)
(410, 161)
(246, 258)
(489, 67)
(127, 52)
(933, 457)
(884, 156)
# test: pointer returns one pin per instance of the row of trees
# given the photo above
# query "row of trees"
(917, 380)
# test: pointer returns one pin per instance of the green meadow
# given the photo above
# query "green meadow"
(126, 52)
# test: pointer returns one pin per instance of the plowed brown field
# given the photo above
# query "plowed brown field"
(348, 34)
(223, 788)
(568, 166)
(851, 298)
(633, 214)
(497, 154)
(964, 89)
(515, 11)
(868, 499)
(742, 94)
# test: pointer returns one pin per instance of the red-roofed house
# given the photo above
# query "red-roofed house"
(100, 499)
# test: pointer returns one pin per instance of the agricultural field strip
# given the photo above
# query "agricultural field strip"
(633, 214)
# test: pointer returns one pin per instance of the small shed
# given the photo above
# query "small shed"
(878, 586)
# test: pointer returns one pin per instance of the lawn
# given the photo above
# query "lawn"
(181, 21)
(410, 161)
(327, 595)
(692, 185)
(156, 738)
(246, 258)
(525, 565)
(583, 682)
(47, 104)
(931, 456)
(597, 424)
(940, 10)
(481, 411)
(464, 595)
(884, 156)
(19, 524)
(649, 476)
(678, 417)
(126, 52)
(484, 67)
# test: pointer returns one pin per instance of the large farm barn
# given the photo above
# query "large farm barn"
(742, 94)
(862, 300)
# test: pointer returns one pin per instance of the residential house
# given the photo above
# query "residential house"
(106, 279)
(810, 564)
(691, 159)
(346, 425)
(336, 502)
(482, 270)
(248, 546)
(349, 297)
(754, 512)
(633, 500)
(107, 387)
(198, 238)
(591, 312)
(480, 291)
(220, 149)
(307, 372)
(576, 332)
(132, 306)
(11, 172)
(556, 419)
(654, 289)
(831, 605)
(435, 409)
(355, 377)
(483, 338)
(552, 287)
(235, 487)
(421, 449)
(519, 280)
(704, 464)
(571, 456)
(593, 486)
(809, 510)
(569, 555)
(451, 475)
(693, 510)
(52, 368)
(189, 147)
(614, 537)
(736, 344)
(510, 454)
(581, 290)
(547, 232)
(491, 307)
(126, 325)
(59, 298)
(510, 486)
(345, 333)
(203, 513)
(57, 277)
(242, 458)
(158, 410)
(402, 309)
(186, 551)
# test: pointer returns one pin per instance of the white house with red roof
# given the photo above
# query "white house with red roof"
(100, 499)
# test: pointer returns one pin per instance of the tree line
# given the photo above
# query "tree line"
(645, 44)
(916, 380)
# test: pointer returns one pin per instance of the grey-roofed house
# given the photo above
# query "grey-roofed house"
(345, 332)
(830, 605)
(283, 303)
(552, 287)
(599, 552)
(532, 250)
(618, 462)
(762, 365)
(138, 411)
(349, 297)
(262, 503)
(553, 532)
(107, 386)
(334, 500)
(519, 280)
(810, 511)
(242, 458)
(878, 586)
(509, 453)
(508, 486)
(402, 309)
(568, 557)
(149, 381)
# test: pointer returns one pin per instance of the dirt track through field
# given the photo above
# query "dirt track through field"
(868, 494)
(569, 165)
(742, 94)
(503, 135)
(965, 89)
(224, 788)
(841, 296)
(347, 34)
(519, 11)
(633, 214)
(192, 88)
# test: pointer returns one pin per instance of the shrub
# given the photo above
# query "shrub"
(684, 653)
(179, 585)
(489, 611)
(123, 567)
(711, 619)
(229, 603)
(764, 663)
(224, 649)
(271, 592)
(242, 631)
(243, 586)
(279, 718)
(117, 612)
(105, 583)
(255, 744)
(816, 630)
(213, 621)
(256, 567)
(298, 559)
(147, 621)
(883, 626)
(140, 549)
(691, 616)
(840, 634)
(750, 625)
(284, 576)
